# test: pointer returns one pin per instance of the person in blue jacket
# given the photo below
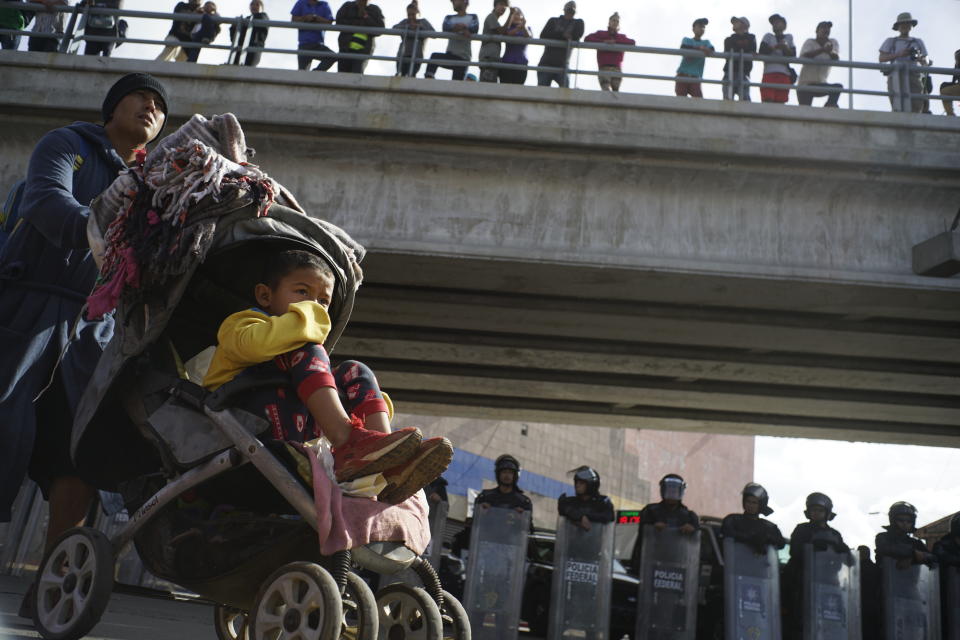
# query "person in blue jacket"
(48, 348)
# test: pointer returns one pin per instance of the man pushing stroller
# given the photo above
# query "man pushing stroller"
(285, 332)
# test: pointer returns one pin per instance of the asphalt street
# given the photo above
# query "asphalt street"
(128, 617)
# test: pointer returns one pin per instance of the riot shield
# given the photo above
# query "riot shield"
(495, 570)
(831, 594)
(751, 592)
(669, 577)
(582, 581)
(911, 601)
(951, 602)
(438, 521)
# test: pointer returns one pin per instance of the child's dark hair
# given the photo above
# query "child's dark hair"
(281, 263)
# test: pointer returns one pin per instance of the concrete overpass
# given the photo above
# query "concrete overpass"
(619, 260)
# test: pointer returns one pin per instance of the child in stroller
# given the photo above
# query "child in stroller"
(146, 428)
(285, 333)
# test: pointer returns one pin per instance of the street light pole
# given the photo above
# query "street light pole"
(850, 52)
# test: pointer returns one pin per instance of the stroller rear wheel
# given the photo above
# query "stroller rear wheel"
(299, 600)
(408, 613)
(456, 624)
(230, 623)
(360, 621)
(74, 584)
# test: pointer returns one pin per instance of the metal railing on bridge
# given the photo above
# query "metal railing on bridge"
(242, 27)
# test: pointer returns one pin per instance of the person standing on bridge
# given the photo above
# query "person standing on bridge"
(911, 51)
(813, 77)
(462, 25)
(736, 74)
(357, 13)
(565, 28)
(490, 51)
(312, 12)
(692, 67)
(48, 347)
(780, 44)
(180, 31)
(410, 53)
(610, 62)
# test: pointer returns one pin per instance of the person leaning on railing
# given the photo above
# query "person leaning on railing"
(812, 82)
(357, 13)
(12, 19)
(412, 41)
(515, 53)
(490, 51)
(952, 88)
(205, 31)
(179, 32)
(692, 67)
(610, 61)
(564, 27)
(462, 25)
(735, 74)
(312, 12)
(48, 21)
(258, 35)
(777, 43)
(100, 24)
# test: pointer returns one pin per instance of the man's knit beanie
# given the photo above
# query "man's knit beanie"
(127, 85)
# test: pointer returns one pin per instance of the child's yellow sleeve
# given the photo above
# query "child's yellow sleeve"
(252, 337)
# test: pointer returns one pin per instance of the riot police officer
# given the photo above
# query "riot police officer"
(816, 531)
(947, 551)
(947, 548)
(669, 512)
(586, 505)
(748, 527)
(898, 540)
(505, 495)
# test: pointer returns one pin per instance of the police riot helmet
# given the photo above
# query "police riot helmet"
(507, 461)
(903, 509)
(590, 476)
(820, 499)
(757, 491)
(672, 487)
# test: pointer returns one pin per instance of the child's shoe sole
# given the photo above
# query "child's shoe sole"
(385, 453)
(431, 460)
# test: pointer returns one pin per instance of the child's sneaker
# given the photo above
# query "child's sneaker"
(367, 452)
(404, 480)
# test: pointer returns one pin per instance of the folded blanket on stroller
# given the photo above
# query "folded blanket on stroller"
(346, 523)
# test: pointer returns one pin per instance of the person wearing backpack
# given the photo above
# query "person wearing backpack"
(98, 24)
(13, 19)
(48, 347)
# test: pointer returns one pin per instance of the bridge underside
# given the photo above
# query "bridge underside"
(579, 257)
(637, 349)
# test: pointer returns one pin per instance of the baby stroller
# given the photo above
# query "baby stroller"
(179, 453)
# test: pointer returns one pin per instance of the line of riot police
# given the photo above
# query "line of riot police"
(829, 591)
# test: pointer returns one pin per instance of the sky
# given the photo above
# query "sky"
(655, 24)
(862, 479)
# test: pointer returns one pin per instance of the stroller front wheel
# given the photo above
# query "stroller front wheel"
(230, 623)
(360, 621)
(408, 613)
(73, 584)
(299, 600)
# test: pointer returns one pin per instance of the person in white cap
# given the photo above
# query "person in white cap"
(909, 50)
(735, 76)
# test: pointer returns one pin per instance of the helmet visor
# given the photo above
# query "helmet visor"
(671, 489)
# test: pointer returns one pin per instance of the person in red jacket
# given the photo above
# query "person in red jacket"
(610, 61)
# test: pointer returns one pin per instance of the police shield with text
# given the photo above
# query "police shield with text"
(947, 551)
(824, 577)
(752, 570)
(498, 545)
(910, 584)
(582, 562)
(666, 561)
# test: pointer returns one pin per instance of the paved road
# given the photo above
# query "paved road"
(128, 617)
